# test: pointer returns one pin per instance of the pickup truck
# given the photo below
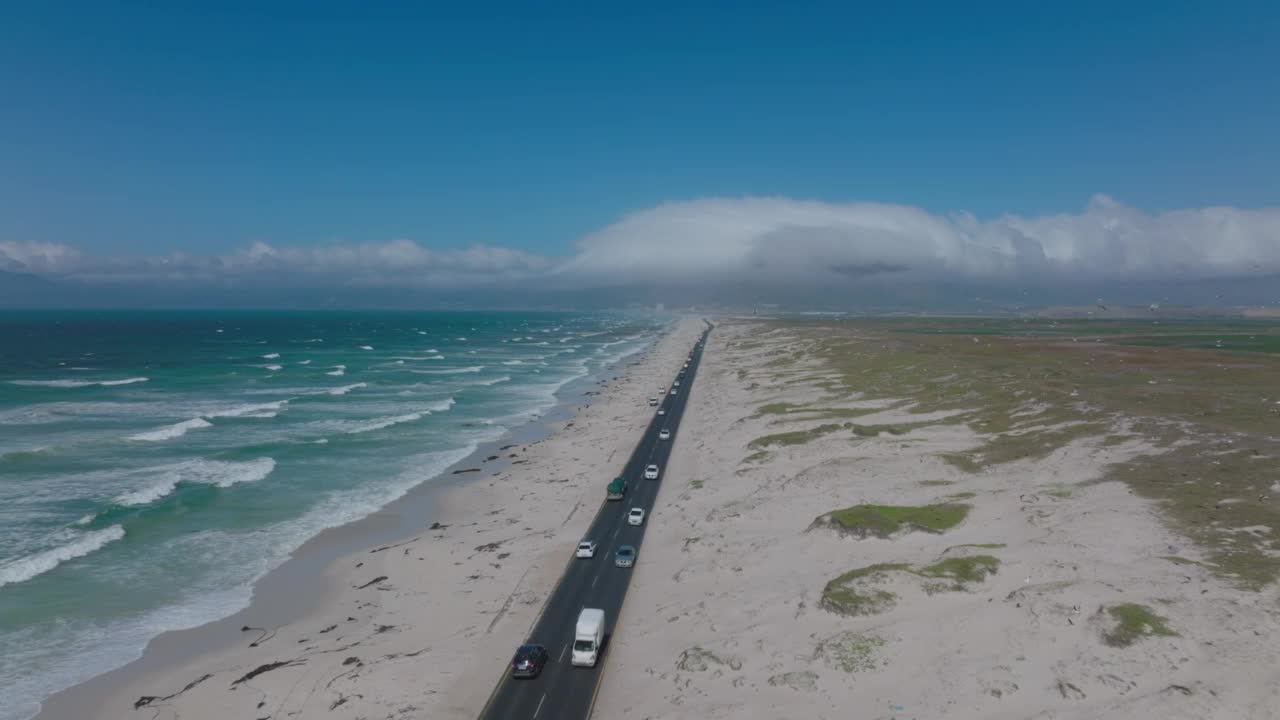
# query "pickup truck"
(616, 489)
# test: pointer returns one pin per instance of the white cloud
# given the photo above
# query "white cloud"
(396, 262)
(785, 240)
(36, 257)
(746, 241)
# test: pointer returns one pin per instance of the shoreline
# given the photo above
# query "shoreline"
(310, 580)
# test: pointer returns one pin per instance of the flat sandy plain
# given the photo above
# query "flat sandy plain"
(965, 519)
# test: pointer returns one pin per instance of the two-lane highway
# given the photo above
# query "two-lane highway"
(564, 692)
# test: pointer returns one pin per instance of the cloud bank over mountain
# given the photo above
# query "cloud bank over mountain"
(789, 240)
(769, 246)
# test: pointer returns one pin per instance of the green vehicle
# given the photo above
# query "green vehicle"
(617, 488)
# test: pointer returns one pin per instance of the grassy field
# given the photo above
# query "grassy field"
(1203, 396)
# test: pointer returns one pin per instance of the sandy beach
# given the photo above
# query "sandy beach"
(422, 624)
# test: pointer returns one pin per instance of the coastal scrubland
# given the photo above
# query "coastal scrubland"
(967, 518)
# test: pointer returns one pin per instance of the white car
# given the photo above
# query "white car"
(675, 384)
(653, 401)
(673, 391)
(636, 516)
(664, 434)
(586, 549)
(662, 389)
(651, 472)
(662, 411)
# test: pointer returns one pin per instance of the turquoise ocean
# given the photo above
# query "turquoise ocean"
(154, 464)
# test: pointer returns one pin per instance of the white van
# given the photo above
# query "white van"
(588, 636)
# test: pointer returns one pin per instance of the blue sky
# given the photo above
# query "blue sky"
(203, 127)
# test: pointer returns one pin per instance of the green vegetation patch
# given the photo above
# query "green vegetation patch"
(876, 430)
(850, 651)
(962, 461)
(1201, 392)
(1189, 484)
(1132, 623)
(777, 408)
(794, 437)
(885, 520)
(966, 495)
(854, 592)
(960, 571)
(842, 597)
(699, 659)
(833, 413)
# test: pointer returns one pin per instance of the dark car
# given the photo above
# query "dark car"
(529, 661)
(625, 557)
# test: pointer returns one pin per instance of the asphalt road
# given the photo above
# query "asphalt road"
(564, 692)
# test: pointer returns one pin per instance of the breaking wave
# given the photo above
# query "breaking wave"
(77, 383)
(172, 431)
(23, 569)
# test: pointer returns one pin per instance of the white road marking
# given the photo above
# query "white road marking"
(544, 698)
(593, 580)
(563, 650)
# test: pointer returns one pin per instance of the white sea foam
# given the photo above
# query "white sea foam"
(172, 431)
(23, 569)
(272, 368)
(271, 356)
(492, 381)
(442, 405)
(304, 362)
(366, 347)
(512, 362)
(386, 422)
(451, 371)
(345, 389)
(338, 371)
(261, 410)
(143, 496)
(77, 383)
(222, 473)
